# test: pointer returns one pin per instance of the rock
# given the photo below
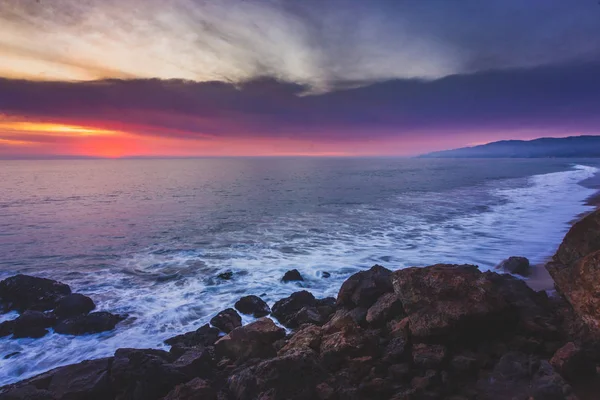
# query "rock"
(254, 340)
(396, 350)
(292, 276)
(143, 374)
(73, 305)
(6, 328)
(451, 302)
(225, 276)
(399, 372)
(428, 356)
(195, 363)
(325, 274)
(227, 320)
(286, 309)
(464, 364)
(344, 319)
(306, 315)
(307, 338)
(338, 346)
(253, 305)
(32, 324)
(579, 283)
(516, 265)
(582, 239)
(85, 324)
(197, 389)
(572, 363)
(387, 307)
(364, 288)
(202, 337)
(26, 392)
(22, 292)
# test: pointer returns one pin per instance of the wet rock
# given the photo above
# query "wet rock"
(27, 392)
(387, 307)
(447, 302)
(254, 340)
(286, 309)
(364, 288)
(73, 305)
(428, 356)
(253, 305)
(23, 292)
(572, 363)
(515, 265)
(579, 283)
(225, 276)
(292, 276)
(227, 320)
(6, 328)
(582, 239)
(325, 274)
(197, 389)
(143, 374)
(307, 338)
(202, 337)
(32, 324)
(86, 324)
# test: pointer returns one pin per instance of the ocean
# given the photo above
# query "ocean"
(148, 237)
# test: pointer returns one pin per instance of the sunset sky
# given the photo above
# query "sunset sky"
(117, 78)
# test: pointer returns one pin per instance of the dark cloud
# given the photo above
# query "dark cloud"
(558, 97)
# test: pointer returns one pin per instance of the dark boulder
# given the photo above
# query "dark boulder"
(572, 363)
(202, 337)
(196, 389)
(582, 239)
(253, 305)
(196, 362)
(73, 305)
(144, 374)
(292, 276)
(32, 324)
(6, 328)
(364, 288)
(307, 338)
(86, 324)
(254, 340)
(286, 309)
(26, 392)
(23, 292)
(515, 265)
(446, 302)
(227, 320)
(225, 276)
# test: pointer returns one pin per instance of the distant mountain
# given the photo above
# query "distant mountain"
(573, 146)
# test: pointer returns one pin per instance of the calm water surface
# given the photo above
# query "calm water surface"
(148, 237)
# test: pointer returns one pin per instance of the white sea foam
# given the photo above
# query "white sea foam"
(168, 292)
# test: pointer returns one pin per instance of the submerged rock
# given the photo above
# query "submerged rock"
(515, 265)
(23, 292)
(225, 276)
(32, 324)
(85, 324)
(253, 305)
(227, 320)
(291, 276)
(73, 305)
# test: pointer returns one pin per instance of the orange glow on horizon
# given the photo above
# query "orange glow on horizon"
(50, 128)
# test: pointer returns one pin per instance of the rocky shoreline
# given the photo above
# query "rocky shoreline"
(438, 332)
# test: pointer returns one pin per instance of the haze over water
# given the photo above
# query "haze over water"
(149, 237)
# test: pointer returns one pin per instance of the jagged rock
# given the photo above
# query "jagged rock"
(343, 319)
(572, 363)
(143, 374)
(338, 346)
(285, 310)
(446, 302)
(428, 356)
(292, 276)
(73, 305)
(516, 265)
(579, 283)
(387, 307)
(203, 336)
(23, 292)
(32, 324)
(253, 305)
(85, 324)
(195, 363)
(307, 338)
(364, 288)
(227, 320)
(582, 239)
(254, 340)
(197, 389)
(396, 350)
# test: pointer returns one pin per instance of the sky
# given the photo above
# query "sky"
(118, 78)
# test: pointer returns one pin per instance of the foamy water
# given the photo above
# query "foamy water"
(165, 277)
